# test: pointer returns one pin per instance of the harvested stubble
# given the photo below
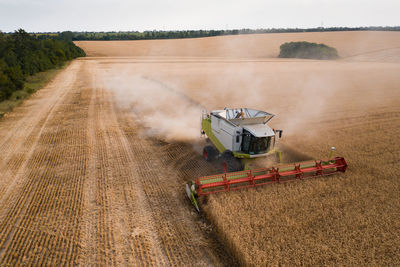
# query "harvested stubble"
(77, 188)
(352, 104)
(81, 184)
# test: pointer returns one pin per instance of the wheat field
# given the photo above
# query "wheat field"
(93, 166)
(352, 104)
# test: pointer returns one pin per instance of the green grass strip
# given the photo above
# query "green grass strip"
(33, 83)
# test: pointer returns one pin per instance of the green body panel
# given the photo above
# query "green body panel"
(194, 201)
(241, 155)
(221, 178)
(206, 126)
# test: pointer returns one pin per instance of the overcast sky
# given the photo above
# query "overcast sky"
(127, 15)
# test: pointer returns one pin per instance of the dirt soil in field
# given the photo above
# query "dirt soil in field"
(93, 166)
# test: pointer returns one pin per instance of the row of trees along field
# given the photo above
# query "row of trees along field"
(148, 35)
(22, 55)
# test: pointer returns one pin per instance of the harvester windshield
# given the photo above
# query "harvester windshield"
(255, 145)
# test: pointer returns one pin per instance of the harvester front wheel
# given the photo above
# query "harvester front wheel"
(229, 163)
(210, 153)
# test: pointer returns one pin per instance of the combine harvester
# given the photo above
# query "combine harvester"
(237, 137)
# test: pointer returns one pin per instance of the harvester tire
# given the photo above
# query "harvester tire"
(229, 163)
(210, 153)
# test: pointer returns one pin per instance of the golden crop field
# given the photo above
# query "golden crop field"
(78, 188)
(93, 166)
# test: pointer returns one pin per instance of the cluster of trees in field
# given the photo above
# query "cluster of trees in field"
(307, 50)
(22, 55)
(148, 35)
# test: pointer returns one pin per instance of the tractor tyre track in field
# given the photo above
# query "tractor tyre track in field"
(80, 185)
(40, 214)
(160, 192)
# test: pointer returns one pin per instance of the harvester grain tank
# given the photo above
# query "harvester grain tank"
(238, 136)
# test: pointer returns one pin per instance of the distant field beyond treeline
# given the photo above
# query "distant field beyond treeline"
(150, 35)
(360, 45)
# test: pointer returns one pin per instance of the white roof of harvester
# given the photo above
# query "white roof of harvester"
(253, 120)
(251, 116)
(259, 130)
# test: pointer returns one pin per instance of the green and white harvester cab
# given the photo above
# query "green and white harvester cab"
(238, 136)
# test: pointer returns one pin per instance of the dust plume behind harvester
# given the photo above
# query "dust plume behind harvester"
(236, 137)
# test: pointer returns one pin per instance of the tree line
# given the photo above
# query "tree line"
(148, 35)
(22, 55)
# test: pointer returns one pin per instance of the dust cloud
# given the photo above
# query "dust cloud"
(159, 80)
(165, 107)
(161, 111)
(276, 87)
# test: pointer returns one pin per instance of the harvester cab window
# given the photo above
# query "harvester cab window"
(262, 144)
(255, 145)
(246, 141)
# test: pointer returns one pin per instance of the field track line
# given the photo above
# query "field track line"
(124, 228)
(25, 132)
(182, 235)
(44, 169)
(142, 210)
(91, 190)
(371, 52)
(42, 106)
